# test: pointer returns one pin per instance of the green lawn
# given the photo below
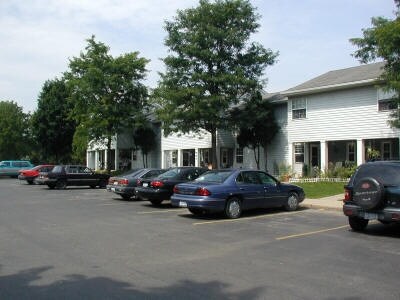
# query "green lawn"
(316, 190)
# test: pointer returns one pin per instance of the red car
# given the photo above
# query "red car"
(30, 174)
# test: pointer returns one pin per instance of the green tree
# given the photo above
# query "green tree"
(52, 129)
(14, 126)
(382, 41)
(107, 92)
(256, 125)
(212, 65)
(145, 139)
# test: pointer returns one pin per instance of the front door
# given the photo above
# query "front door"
(314, 156)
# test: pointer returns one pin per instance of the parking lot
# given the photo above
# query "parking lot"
(82, 243)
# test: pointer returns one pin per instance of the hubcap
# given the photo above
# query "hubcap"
(292, 201)
(234, 208)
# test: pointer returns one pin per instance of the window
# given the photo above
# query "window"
(299, 108)
(386, 100)
(299, 152)
(386, 150)
(239, 155)
(351, 154)
(387, 104)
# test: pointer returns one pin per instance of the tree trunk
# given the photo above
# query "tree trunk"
(108, 166)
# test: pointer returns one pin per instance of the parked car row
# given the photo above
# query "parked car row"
(200, 190)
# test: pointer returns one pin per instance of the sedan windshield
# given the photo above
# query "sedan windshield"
(214, 176)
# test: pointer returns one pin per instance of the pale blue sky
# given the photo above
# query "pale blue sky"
(38, 36)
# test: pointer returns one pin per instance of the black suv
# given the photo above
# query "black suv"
(373, 193)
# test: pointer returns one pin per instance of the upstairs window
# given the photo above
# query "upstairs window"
(299, 108)
(386, 101)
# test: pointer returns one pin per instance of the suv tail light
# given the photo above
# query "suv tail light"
(157, 184)
(123, 181)
(176, 190)
(202, 192)
(347, 195)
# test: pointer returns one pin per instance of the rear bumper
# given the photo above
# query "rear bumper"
(200, 202)
(388, 214)
(152, 194)
(125, 190)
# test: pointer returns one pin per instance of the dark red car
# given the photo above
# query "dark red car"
(30, 174)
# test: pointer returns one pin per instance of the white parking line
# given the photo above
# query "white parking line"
(248, 218)
(160, 211)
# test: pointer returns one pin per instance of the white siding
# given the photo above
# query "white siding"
(341, 115)
(177, 141)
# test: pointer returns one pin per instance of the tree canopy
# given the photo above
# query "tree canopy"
(212, 65)
(107, 93)
(382, 41)
(256, 125)
(52, 129)
(14, 124)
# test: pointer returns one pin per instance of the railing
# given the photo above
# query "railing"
(318, 179)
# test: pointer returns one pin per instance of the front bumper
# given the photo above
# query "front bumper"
(387, 214)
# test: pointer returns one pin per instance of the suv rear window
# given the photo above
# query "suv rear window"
(387, 174)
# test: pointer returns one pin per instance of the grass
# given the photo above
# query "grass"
(315, 190)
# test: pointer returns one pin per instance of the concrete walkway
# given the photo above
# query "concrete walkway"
(332, 202)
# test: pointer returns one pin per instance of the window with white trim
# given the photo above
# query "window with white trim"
(386, 150)
(299, 152)
(386, 101)
(299, 108)
(239, 155)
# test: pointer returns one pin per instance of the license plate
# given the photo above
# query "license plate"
(370, 216)
(115, 182)
(113, 189)
(145, 184)
(182, 204)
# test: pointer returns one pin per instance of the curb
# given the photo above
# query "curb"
(321, 206)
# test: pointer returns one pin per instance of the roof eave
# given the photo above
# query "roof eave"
(332, 87)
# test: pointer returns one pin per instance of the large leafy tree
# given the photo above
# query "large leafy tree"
(382, 41)
(52, 129)
(256, 125)
(14, 125)
(145, 139)
(107, 92)
(211, 66)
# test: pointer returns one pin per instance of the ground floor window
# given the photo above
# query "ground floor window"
(351, 151)
(188, 157)
(239, 155)
(299, 152)
(205, 157)
(226, 157)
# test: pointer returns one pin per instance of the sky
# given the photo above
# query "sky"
(38, 37)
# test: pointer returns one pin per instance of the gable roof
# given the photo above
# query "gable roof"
(339, 79)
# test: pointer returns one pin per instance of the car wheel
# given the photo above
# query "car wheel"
(233, 208)
(155, 202)
(51, 186)
(61, 184)
(30, 181)
(292, 202)
(125, 197)
(358, 224)
(368, 193)
(102, 184)
(92, 186)
(196, 211)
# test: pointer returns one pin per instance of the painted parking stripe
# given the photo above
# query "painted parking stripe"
(248, 218)
(310, 233)
(160, 211)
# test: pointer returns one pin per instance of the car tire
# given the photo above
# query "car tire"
(155, 202)
(233, 208)
(292, 202)
(125, 197)
(196, 211)
(92, 186)
(102, 184)
(61, 184)
(30, 182)
(51, 186)
(358, 224)
(368, 193)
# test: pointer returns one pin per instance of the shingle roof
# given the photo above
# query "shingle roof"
(364, 74)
